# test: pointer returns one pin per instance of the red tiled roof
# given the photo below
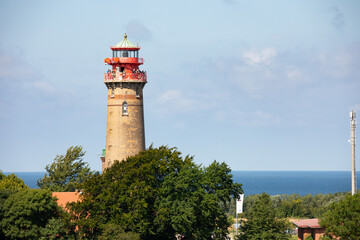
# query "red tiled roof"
(65, 197)
(307, 223)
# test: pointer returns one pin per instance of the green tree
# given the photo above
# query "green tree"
(27, 213)
(8, 185)
(157, 194)
(296, 206)
(112, 231)
(66, 172)
(262, 222)
(343, 219)
(12, 182)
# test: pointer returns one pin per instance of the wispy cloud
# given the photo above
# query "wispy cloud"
(256, 57)
(14, 69)
(356, 108)
(176, 101)
(137, 30)
(340, 63)
(238, 117)
(44, 87)
(260, 72)
(338, 18)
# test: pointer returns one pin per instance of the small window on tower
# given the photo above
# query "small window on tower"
(112, 93)
(137, 93)
(125, 108)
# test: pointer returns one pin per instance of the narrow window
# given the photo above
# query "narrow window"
(125, 108)
(137, 93)
(112, 93)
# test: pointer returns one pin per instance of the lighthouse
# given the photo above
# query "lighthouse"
(125, 132)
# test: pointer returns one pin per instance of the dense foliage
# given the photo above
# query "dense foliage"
(343, 219)
(262, 222)
(294, 205)
(66, 172)
(11, 182)
(8, 185)
(158, 194)
(26, 214)
(113, 231)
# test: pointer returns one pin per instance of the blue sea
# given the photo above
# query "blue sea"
(271, 182)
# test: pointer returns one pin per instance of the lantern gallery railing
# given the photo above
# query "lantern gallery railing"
(125, 77)
(115, 60)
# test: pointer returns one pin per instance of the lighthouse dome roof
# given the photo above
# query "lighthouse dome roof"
(125, 44)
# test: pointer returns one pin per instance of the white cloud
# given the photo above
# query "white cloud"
(170, 95)
(259, 72)
(255, 57)
(293, 74)
(261, 117)
(45, 87)
(175, 101)
(340, 63)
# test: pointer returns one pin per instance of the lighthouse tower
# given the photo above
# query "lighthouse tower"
(125, 133)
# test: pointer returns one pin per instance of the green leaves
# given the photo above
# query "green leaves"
(296, 206)
(66, 172)
(158, 194)
(12, 182)
(262, 222)
(26, 213)
(343, 218)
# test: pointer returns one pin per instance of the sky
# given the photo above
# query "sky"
(261, 85)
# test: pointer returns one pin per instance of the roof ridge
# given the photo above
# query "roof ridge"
(125, 43)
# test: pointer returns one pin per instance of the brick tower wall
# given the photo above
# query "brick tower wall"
(125, 133)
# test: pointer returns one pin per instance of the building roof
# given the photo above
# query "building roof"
(65, 197)
(307, 223)
(125, 44)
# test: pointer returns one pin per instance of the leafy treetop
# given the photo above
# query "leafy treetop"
(12, 182)
(342, 220)
(66, 172)
(25, 214)
(158, 194)
(262, 222)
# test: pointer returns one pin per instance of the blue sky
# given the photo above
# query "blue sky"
(260, 85)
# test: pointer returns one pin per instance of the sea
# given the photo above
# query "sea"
(271, 182)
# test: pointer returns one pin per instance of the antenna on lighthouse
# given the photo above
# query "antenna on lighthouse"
(352, 140)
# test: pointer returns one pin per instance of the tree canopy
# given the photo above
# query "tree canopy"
(66, 171)
(12, 182)
(262, 222)
(343, 219)
(158, 194)
(27, 213)
(295, 205)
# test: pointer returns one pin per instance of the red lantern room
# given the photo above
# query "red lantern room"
(125, 63)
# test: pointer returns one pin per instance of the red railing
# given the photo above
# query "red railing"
(125, 77)
(116, 60)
